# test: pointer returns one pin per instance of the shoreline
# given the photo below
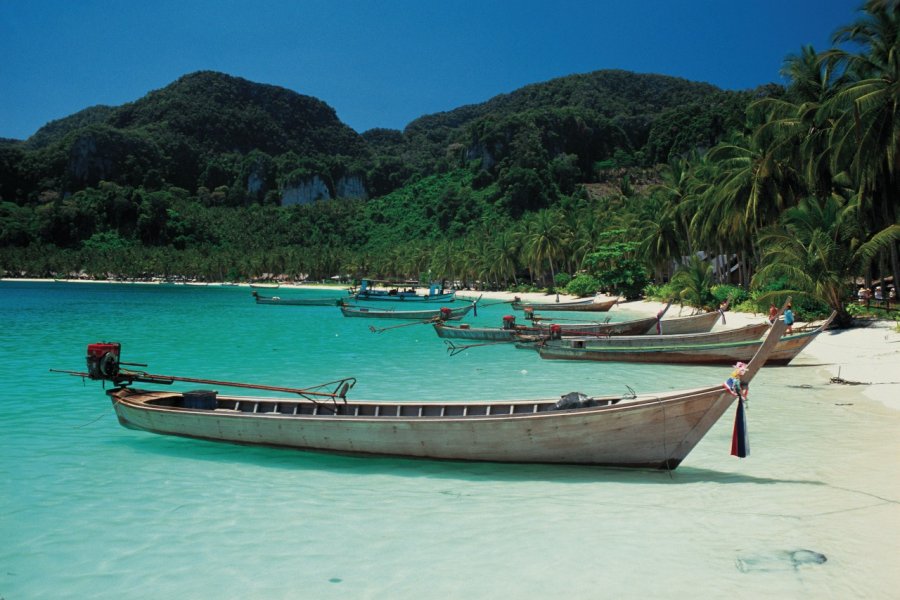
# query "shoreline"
(868, 358)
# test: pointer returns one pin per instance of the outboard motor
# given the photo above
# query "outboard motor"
(103, 360)
(509, 322)
(529, 313)
(556, 331)
(446, 313)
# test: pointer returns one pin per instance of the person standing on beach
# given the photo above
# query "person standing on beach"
(773, 313)
(789, 319)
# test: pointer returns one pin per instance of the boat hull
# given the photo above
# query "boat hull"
(737, 334)
(651, 431)
(278, 301)
(487, 334)
(690, 324)
(412, 315)
(589, 305)
(784, 352)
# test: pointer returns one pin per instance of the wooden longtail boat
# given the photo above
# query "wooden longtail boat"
(490, 334)
(296, 301)
(405, 297)
(265, 286)
(736, 334)
(398, 295)
(693, 324)
(691, 353)
(631, 430)
(444, 313)
(587, 305)
(513, 332)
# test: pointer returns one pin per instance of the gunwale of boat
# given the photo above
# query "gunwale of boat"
(362, 410)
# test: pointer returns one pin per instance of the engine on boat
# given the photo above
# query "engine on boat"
(103, 360)
(509, 322)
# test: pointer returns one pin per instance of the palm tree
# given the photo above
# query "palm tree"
(503, 256)
(795, 126)
(693, 283)
(660, 244)
(544, 240)
(866, 134)
(819, 247)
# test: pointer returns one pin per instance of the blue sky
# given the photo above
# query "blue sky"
(385, 63)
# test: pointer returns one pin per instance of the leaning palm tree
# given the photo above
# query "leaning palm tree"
(819, 247)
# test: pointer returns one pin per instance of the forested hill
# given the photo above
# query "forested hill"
(219, 114)
(204, 130)
(647, 117)
(211, 130)
(192, 166)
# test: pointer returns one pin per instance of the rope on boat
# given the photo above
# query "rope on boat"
(495, 303)
(374, 329)
(125, 378)
(453, 349)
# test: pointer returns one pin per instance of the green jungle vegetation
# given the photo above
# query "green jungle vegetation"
(609, 181)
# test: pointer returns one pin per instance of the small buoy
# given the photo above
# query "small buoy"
(524, 371)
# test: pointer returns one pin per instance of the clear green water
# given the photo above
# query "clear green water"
(90, 509)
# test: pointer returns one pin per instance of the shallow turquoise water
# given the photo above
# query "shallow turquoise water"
(89, 509)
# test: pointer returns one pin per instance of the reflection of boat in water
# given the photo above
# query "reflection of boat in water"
(295, 301)
(633, 430)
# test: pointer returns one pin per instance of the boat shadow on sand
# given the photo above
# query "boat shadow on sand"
(294, 460)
